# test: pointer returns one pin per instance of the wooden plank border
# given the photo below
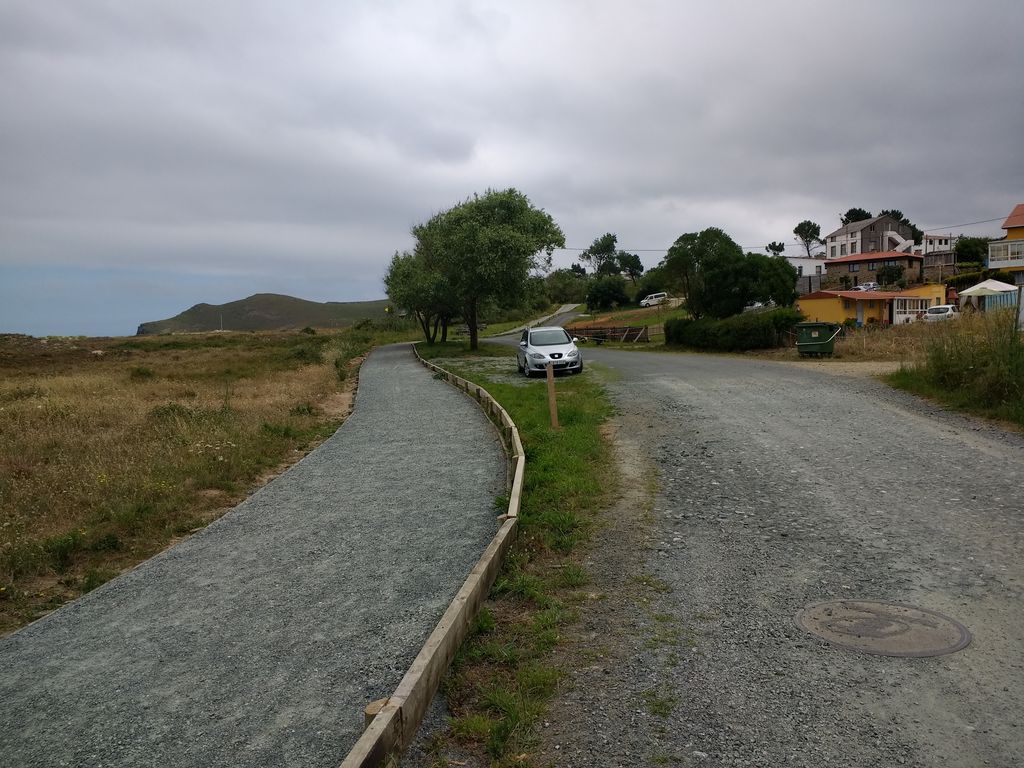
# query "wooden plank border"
(393, 728)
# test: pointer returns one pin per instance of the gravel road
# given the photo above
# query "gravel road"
(258, 641)
(778, 487)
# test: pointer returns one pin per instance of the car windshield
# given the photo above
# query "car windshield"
(549, 337)
(938, 310)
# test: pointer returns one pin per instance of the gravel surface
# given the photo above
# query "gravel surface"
(778, 487)
(258, 641)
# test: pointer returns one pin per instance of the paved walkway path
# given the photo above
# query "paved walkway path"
(258, 641)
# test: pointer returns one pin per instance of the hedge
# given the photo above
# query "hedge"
(751, 330)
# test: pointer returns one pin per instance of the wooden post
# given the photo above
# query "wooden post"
(371, 710)
(552, 403)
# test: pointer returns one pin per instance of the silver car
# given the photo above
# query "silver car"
(540, 346)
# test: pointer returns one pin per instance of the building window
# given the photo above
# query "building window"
(847, 304)
(853, 247)
(799, 271)
(871, 304)
(842, 249)
(833, 254)
(872, 265)
(854, 267)
(817, 269)
(871, 228)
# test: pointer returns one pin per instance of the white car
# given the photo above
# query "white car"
(941, 312)
(654, 299)
(540, 346)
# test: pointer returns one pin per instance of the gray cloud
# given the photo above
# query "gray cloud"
(272, 142)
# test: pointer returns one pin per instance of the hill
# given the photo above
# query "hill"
(266, 312)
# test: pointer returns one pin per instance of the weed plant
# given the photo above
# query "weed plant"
(502, 677)
(975, 363)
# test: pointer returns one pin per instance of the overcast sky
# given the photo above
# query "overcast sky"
(158, 154)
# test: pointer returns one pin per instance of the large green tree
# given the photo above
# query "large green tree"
(708, 268)
(415, 287)
(777, 249)
(971, 250)
(486, 247)
(566, 286)
(601, 252)
(809, 234)
(629, 265)
(770, 278)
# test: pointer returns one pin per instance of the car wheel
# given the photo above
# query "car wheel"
(519, 366)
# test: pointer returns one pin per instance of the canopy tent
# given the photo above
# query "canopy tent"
(988, 288)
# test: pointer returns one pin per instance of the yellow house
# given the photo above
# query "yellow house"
(870, 307)
(1008, 253)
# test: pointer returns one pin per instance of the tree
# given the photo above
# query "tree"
(971, 250)
(630, 265)
(654, 280)
(809, 235)
(776, 249)
(854, 214)
(579, 270)
(770, 278)
(608, 267)
(708, 265)
(607, 292)
(485, 249)
(600, 252)
(889, 275)
(413, 286)
(567, 286)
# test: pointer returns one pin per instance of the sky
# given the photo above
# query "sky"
(155, 155)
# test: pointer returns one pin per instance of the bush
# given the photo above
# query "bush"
(762, 330)
(607, 292)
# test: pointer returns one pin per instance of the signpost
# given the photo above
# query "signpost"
(552, 403)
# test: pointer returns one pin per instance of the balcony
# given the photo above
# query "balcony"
(1006, 254)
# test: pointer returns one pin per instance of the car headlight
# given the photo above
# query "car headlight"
(536, 356)
(573, 353)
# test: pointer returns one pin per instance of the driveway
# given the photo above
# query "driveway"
(779, 487)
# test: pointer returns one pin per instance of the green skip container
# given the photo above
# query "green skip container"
(816, 339)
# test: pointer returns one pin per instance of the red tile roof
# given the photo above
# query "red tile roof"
(873, 256)
(1016, 217)
(857, 295)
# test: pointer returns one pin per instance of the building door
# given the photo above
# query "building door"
(860, 313)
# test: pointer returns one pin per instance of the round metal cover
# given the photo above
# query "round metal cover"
(886, 629)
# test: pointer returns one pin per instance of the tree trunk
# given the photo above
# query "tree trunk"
(444, 328)
(424, 321)
(474, 341)
(433, 333)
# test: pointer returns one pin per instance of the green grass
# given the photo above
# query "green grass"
(502, 678)
(974, 364)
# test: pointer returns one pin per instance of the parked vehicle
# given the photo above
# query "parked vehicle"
(867, 287)
(941, 312)
(540, 346)
(654, 299)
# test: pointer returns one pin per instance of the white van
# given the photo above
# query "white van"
(654, 299)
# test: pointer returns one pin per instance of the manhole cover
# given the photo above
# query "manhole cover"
(887, 629)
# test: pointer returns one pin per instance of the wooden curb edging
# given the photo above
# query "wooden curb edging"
(393, 727)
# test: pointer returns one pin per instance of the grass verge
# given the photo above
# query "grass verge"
(974, 364)
(502, 678)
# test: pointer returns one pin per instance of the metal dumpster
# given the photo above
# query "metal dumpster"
(816, 339)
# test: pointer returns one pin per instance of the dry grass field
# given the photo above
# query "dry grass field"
(111, 449)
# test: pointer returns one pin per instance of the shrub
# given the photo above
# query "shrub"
(607, 292)
(762, 330)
